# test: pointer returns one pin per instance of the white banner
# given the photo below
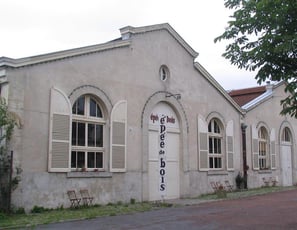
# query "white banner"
(162, 155)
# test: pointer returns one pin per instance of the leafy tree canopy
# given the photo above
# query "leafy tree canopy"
(263, 37)
(7, 122)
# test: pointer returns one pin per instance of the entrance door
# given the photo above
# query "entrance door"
(286, 164)
(164, 152)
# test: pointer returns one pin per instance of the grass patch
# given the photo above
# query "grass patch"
(41, 215)
(246, 193)
(45, 216)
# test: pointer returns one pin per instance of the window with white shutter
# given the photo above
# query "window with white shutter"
(230, 145)
(255, 148)
(59, 132)
(272, 149)
(203, 144)
(118, 137)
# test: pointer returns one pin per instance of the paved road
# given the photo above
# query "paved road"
(271, 211)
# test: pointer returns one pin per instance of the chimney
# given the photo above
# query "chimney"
(269, 86)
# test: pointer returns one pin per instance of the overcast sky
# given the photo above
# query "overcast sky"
(32, 27)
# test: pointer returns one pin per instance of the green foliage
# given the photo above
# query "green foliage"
(41, 215)
(20, 210)
(38, 209)
(7, 121)
(132, 201)
(263, 37)
(239, 180)
(7, 182)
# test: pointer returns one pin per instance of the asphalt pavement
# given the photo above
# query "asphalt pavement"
(271, 211)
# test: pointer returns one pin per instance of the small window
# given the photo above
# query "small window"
(286, 135)
(164, 73)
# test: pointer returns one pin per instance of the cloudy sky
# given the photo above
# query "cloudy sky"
(32, 27)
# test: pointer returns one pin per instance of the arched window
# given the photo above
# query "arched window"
(286, 135)
(215, 145)
(263, 148)
(87, 134)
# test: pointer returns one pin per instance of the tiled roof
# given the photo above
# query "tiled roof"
(244, 96)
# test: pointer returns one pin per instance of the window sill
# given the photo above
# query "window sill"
(219, 172)
(89, 174)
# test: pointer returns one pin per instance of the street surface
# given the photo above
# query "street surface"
(271, 211)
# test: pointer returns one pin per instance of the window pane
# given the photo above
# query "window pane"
(91, 160)
(218, 162)
(99, 160)
(215, 145)
(210, 163)
(81, 105)
(209, 127)
(73, 159)
(81, 134)
(286, 135)
(74, 133)
(210, 146)
(91, 135)
(99, 136)
(219, 146)
(93, 106)
(95, 110)
(99, 112)
(216, 127)
(81, 160)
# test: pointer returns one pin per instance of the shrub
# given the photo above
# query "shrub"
(132, 201)
(239, 180)
(38, 209)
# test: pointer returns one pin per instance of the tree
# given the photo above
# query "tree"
(7, 182)
(263, 35)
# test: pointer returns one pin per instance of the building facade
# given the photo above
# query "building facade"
(135, 118)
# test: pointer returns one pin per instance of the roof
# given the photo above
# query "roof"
(252, 97)
(220, 89)
(125, 40)
(243, 96)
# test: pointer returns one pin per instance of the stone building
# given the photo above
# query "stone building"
(136, 118)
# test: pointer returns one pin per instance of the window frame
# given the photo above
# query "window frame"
(263, 148)
(87, 119)
(164, 73)
(286, 136)
(215, 135)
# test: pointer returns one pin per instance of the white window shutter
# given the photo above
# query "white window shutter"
(272, 149)
(118, 137)
(203, 144)
(59, 132)
(255, 148)
(230, 145)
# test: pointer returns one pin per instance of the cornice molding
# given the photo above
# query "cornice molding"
(21, 62)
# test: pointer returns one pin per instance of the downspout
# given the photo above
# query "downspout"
(245, 167)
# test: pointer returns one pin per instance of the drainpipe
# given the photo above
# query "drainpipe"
(245, 167)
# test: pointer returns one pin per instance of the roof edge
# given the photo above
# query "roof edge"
(263, 97)
(21, 62)
(128, 30)
(207, 75)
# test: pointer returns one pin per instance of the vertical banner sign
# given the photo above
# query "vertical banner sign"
(162, 155)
